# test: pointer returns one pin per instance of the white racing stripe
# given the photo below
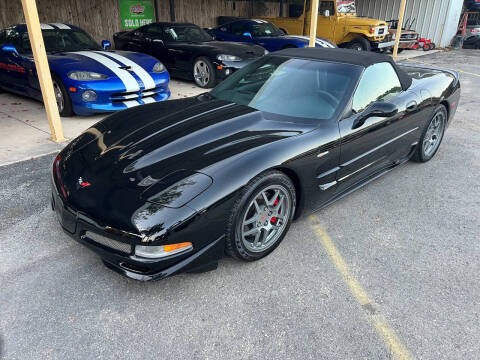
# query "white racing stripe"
(137, 69)
(60, 25)
(128, 80)
(46, 27)
(131, 103)
(317, 40)
(148, 100)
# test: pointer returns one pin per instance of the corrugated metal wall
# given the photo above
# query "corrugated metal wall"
(431, 15)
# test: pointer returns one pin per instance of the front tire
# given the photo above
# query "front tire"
(360, 44)
(64, 103)
(204, 73)
(432, 135)
(261, 216)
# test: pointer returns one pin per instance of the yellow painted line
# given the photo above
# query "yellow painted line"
(457, 70)
(392, 342)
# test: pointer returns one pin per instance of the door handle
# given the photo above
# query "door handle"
(412, 106)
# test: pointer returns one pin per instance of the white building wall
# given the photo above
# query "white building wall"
(435, 19)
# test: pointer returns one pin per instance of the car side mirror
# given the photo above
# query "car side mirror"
(378, 108)
(9, 48)
(326, 13)
(106, 45)
(247, 34)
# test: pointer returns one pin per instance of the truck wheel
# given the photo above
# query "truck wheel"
(360, 44)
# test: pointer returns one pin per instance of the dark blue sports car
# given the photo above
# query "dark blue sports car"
(86, 77)
(265, 34)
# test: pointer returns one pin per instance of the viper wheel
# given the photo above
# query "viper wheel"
(261, 216)
(64, 103)
(432, 135)
(204, 73)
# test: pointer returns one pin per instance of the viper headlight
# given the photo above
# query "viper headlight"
(266, 52)
(155, 252)
(86, 76)
(159, 68)
(224, 57)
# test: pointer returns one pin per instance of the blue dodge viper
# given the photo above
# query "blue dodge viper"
(263, 33)
(87, 78)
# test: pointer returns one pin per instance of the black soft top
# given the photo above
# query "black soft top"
(347, 56)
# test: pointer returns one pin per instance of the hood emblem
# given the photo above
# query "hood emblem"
(83, 183)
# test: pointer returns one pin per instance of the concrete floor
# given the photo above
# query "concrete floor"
(391, 270)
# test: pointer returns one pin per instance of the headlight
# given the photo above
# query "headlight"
(86, 75)
(155, 252)
(266, 52)
(182, 192)
(223, 57)
(159, 68)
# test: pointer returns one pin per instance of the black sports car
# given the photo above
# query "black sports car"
(188, 51)
(169, 187)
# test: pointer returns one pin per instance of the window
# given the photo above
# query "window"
(154, 31)
(291, 87)
(186, 33)
(238, 28)
(378, 83)
(326, 5)
(12, 37)
(346, 6)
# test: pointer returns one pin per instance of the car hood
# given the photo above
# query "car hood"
(130, 156)
(213, 48)
(361, 21)
(97, 61)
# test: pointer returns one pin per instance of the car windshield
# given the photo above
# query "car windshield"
(346, 6)
(62, 40)
(291, 87)
(265, 29)
(186, 34)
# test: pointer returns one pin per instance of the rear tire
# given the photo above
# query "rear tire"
(432, 136)
(261, 216)
(204, 73)
(360, 44)
(64, 102)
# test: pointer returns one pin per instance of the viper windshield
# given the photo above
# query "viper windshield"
(186, 34)
(63, 40)
(291, 87)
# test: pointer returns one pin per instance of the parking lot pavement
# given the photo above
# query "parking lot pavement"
(391, 270)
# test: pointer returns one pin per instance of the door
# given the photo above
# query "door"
(12, 65)
(365, 140)
(325, 24)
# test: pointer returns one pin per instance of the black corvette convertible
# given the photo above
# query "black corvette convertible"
(169, 187)
(188, 51)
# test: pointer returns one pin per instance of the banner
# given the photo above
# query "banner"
(136, 13)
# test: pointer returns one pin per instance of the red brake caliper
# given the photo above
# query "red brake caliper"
(273, 220)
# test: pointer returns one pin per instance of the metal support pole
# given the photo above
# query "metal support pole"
(43, 70)
(313, 23)
(399, 28)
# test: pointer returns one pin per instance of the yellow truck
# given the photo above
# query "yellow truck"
(338, 22)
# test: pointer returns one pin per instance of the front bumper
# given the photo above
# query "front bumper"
(382, 45)
(77, 225)
(111, 95)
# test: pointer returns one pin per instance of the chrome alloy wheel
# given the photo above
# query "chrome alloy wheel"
(266, 218)
(58, 96)
(201, 73)
(434, 134)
